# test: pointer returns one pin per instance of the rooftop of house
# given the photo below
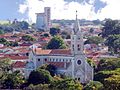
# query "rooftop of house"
(19, 64)
(40, 51)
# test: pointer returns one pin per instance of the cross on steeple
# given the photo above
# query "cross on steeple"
(76, 14)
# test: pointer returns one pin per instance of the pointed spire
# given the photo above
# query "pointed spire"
(76, 24)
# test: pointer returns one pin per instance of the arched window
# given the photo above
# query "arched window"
(78, 79)
(39, 59)
(45, 59)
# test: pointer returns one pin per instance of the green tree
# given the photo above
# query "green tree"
(13, 44)
(40, 76)
(5, 65)
(110, 27)
(91, 63)
(66, 84)
(113, 43)
(112, 82)
(94, 40)
(94, 85)
(4, 41)
(54, 31)
(1, 32)
(28, 38)
(38, 87)
(91, 30)
(24, 25)
(108, 64)
(51, 68)
(12, 81)
(46, 35)
(56, 43)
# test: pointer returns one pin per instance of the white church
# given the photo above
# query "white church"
(70, 62)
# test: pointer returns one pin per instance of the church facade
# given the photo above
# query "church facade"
(70, 62)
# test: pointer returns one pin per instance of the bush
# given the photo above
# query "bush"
(94, 85)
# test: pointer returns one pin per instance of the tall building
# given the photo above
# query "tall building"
(47, 18)
(43, 20)
(70, 62)
(40, 22)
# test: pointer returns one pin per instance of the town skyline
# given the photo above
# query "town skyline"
(62, 9)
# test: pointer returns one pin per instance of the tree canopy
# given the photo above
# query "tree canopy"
(94, 85)
(1, 32)
(113, 43)
(40, 76)
(28, 38)
(94, 40)
(110, 27)
(56, 43)
(54, 31)
(12, 80)
(51, 68)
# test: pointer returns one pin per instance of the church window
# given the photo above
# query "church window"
(60, 60)
(50, 59)
(38, 59)
(73, 46)
(79, 62)
(78, 79)
(45, 59)
(78, 45)
(56, 60)
(63, 60)
(78, 49)
(53, 60)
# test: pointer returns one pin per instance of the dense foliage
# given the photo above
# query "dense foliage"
(108, 73)
(110, 27)
(111, 32)
(56, 43)
(8, 43)
(40, 76)
(28, 38)
(113, 43)
(51, 68)
(94, 85)
(54, 31)
(94, 40)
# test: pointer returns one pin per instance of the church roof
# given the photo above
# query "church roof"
(40, 51)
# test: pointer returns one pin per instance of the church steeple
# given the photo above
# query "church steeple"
(76, 38)
(76, 25)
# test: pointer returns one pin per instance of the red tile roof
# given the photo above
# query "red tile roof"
(40, 51)
(13, 57)
(19, 64)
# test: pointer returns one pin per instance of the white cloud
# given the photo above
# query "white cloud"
(111, 10)
(64, 10)
(22, 8)
(59, 9)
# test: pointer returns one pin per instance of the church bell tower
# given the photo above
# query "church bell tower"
(76, 38)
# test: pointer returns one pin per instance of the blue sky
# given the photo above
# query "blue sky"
(60, 9)
(9, 9)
